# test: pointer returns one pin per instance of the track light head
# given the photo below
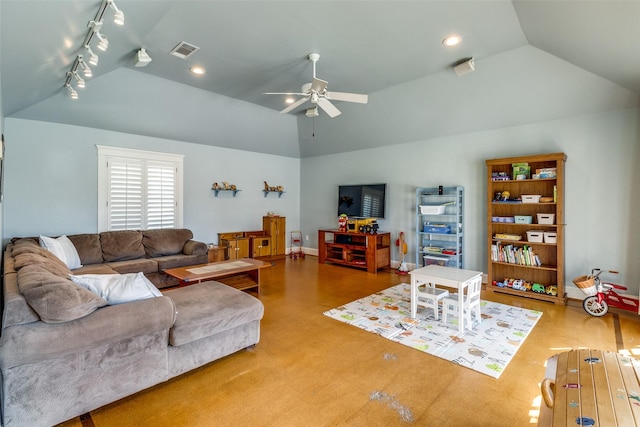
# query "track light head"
(93, 58)
(80, 80)
(103, 42)
(72, 92)
(85, 68)
(118, 15)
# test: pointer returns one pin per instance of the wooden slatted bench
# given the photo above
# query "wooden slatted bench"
(591, 388)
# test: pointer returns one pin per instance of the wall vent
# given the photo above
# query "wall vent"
(184, 50)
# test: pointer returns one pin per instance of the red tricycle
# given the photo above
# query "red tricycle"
(601, 295)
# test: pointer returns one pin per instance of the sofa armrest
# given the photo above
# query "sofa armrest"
(193, 247)
(34, 342)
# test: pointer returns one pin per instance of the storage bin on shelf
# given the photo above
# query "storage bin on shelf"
(535, 236)
(436, 228)
(436, 260)
(523, 219)
(509, 219)
(550, 236)
(530, 198)
(432, 209)
(544, 218)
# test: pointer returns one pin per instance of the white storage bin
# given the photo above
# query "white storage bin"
(550, 236)
(432, 209)
(523, 219)
(546, 218)
(535, 236)
(531, 198)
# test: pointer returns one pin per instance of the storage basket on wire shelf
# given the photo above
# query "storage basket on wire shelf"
(586, 284)
(436, 228)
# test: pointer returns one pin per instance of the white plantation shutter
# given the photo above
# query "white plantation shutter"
(125, 202)
(161, 196)
(139, 190)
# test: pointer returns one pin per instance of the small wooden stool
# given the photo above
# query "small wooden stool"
(591, 388)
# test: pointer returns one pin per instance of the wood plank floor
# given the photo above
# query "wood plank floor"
(310, 370)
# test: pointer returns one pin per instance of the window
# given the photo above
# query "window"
(138, 190)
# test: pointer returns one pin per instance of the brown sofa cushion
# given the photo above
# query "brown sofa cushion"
(143, 265)
(225, 309)
(54, 298)
(168, 241)
(88, 247)
(26, 254)
(174, 261)
(121, 245)
(193, 247)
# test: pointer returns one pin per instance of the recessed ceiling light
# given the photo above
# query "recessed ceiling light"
(198, 70)
(452, 40)
(289, 100)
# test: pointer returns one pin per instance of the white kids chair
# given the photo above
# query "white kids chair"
(470, 302)
(428, 297)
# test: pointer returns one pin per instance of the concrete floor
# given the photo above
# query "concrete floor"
(310, 370)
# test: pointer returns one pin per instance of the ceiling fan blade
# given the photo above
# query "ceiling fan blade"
(295, 105)
(285, 93)
(318, 85)
(328, 107)
(348, 97)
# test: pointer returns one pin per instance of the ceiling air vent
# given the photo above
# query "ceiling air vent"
(184, 50)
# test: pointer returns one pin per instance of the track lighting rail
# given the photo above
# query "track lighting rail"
(103, 43)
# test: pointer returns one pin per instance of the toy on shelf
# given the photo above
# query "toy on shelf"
(272, 189)
(225, 186)
(342, 222)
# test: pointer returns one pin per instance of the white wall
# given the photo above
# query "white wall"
(51, 181)
(601, 186)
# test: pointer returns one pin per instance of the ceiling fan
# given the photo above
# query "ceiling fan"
(316, 92)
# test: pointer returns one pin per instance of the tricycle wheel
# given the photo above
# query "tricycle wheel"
(595, 308)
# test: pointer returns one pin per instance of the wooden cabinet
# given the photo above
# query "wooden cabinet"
(369, 251)
(526, 254)
(216, 253)
(276, 227)
(236, 243)
(260, 246)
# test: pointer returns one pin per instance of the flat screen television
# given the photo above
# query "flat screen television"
(362, 201)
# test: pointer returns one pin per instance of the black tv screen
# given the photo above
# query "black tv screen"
(362, 201)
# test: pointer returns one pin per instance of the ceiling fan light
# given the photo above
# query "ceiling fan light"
(312, 112)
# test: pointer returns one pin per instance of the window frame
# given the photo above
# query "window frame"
(105, 153)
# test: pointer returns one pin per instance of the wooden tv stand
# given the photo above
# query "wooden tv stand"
(368, 251)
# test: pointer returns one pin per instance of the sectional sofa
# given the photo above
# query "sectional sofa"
(66, 350)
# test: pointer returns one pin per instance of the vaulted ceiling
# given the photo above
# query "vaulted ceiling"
(535, 60)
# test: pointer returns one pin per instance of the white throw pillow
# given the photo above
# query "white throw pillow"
(118, 288)
(63, 248)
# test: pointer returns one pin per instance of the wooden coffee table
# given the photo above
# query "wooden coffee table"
(241, 273)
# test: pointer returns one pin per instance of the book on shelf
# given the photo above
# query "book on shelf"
(514, 255)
